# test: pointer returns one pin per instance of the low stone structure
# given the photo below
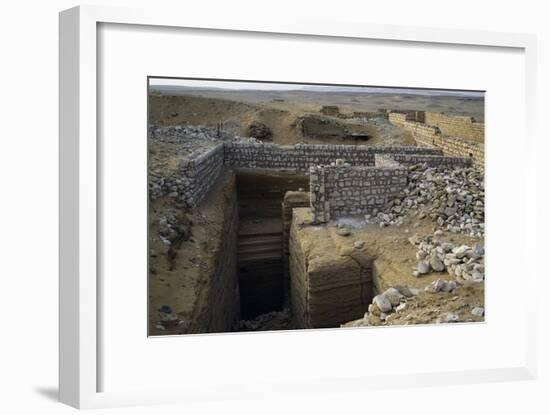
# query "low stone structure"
(301, 157)
(199, 173)
(454, 125)
(431, 160)
(345, 190)
(378, 173)
(330, 110)
(468, 145)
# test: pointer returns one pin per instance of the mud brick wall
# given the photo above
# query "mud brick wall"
(456, 146)
(430, 136)
(198, 174)
(337, 191)
(397, 118)
(451, 125)
(423, 134)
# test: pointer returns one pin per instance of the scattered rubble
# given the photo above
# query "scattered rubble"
(259, 131)
(442, 301)
(452, 197)
(434, 254)
(274, 320)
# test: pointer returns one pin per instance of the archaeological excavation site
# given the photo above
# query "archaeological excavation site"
(308, 207)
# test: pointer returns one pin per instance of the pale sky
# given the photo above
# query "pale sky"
(223, 84)
(266, 86)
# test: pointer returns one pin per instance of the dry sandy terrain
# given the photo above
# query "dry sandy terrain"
(281, 111)
(178, 270)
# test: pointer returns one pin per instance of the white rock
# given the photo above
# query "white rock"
(358, 244)
(401, 307)
(449, 286)
(423, 267)
(393, 296)
(436, 263)
(448, 318)
(420, 255)
(478, 311)
(436, 286)
(477, 276)
(382, 303)
(404, 290)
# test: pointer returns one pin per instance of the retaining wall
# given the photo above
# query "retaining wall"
(199, 173)
(452, 125)
(301, 157)
(432, 137)
(337, 191)
(432, 161)
(456, 146)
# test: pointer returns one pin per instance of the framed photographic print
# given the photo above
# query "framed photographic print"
(243, 201)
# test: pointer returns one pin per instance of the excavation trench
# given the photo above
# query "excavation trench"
(263, 285)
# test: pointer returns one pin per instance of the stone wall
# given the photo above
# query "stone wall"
(397, 118)
(431, 161)
(337, 191)
(301, 157)
(298, 157)
(456, 146)
(199, 172)
(422, 133)
(432, 137)
(452, 125)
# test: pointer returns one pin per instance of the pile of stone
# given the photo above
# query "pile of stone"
(172, 228)
(166, 185)
(184, 134)
(435, 255)
(394, 303)
(274, 320)
(259, 131)
(394, 299)
(452, 197)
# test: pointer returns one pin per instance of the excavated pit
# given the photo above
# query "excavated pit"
(260, 254)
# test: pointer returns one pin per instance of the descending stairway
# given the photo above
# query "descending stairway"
(260, 265)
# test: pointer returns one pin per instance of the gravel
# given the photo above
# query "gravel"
(453, 197)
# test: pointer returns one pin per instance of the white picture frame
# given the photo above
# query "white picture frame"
(79, 164)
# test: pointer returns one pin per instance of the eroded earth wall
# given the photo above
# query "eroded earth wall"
(327, 286)
(217, 304)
